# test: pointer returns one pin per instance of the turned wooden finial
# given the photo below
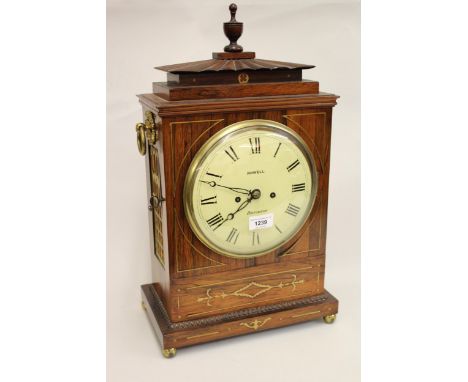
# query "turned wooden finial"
(233, 9)
(233, 30)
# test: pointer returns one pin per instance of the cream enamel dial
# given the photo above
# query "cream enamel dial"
(250, 188)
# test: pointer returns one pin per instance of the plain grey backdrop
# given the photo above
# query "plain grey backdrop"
(142, 34)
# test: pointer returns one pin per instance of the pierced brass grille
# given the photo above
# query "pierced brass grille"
(156, 204)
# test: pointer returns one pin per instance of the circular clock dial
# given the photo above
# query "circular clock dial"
(250, 188)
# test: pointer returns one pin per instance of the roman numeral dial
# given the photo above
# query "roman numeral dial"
(211, 200)
(231, 154)
(213, 175)
(233, 236)
(255, 145)
(293, 165)
(277, 149)
(215, 220)
(298, 187)
(255, 238)
(292, 210)
(250, 190)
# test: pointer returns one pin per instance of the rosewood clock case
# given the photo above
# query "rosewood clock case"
(196, 294)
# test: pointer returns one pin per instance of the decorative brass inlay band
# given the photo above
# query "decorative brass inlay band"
(201, 335)
(244, 305)
(306, 314)
(288, 117)
(242, 292)
(255, 324)
(253, 277)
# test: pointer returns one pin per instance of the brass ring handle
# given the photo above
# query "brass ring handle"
(141, 137)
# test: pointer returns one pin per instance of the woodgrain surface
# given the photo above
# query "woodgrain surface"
(192, 268)
(217, 78)
(215, 65)
(240, 322)
(179, 93)
(165, 108)
(133, 352)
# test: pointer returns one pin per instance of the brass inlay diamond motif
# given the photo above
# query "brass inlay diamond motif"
(244, 292)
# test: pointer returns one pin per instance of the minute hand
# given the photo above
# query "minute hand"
(235, 189)
(231, 215)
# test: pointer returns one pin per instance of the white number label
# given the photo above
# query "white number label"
(260, 222)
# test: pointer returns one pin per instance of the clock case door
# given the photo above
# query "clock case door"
(194, 281)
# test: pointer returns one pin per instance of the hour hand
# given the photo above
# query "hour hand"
(235, 189)
(231, 215)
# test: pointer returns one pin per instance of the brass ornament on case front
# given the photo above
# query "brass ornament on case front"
(219, 138)
(243, 78)
(256, 323)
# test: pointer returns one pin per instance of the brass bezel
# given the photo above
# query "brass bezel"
(218, 139)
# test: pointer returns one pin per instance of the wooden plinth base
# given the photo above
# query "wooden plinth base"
(175, 335)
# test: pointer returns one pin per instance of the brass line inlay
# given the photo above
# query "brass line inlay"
(306, 314)
(201, 335)
(171, 126)
(242, 292)
(241, 305)
(252, 277)
(217, 121)
(255, 324)
(298, 253)
(218, 263)
(320, 225)
(320, 229)
(287, 116)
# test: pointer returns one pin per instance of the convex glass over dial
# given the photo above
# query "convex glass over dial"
(250, 188)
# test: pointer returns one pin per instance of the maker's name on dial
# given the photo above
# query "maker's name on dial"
(256, 212)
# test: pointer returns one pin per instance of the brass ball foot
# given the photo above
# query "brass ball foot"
(330, 319)
(169, 353)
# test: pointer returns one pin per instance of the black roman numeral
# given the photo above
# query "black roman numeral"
(211, 200)
(298, 187)
(232, 154)
(277, 149)
(234, 234)
(215, 220)
(211, 174)
(292, 210)
(255, 238)
(255, 145)
(293, 165)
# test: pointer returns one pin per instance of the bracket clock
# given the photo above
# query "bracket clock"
(237, 151)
